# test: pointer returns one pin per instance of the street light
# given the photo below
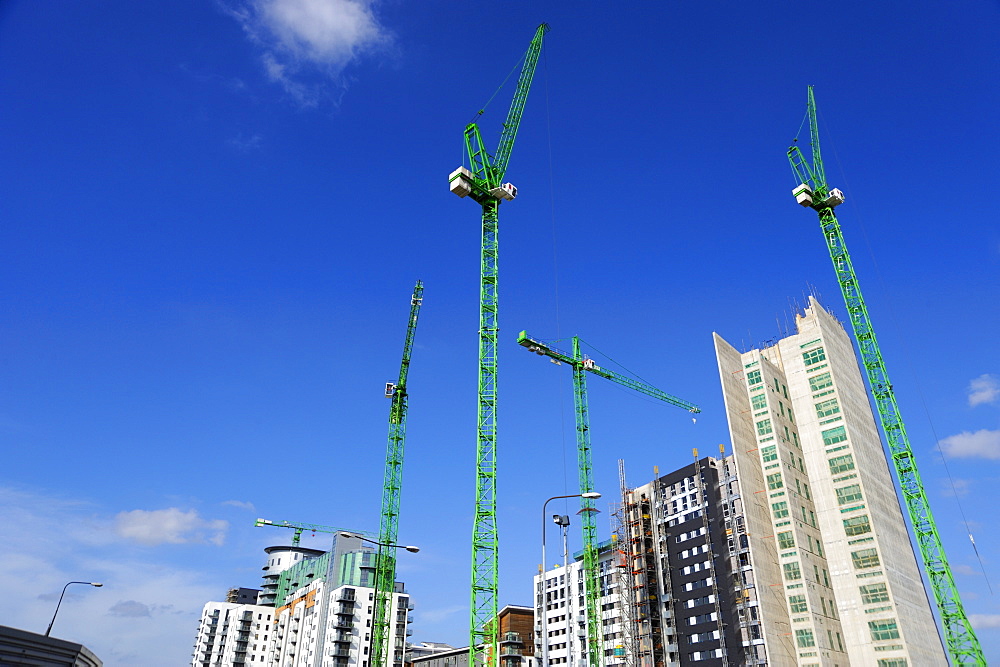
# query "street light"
(88, 583)
(589, 495)
(412, 550)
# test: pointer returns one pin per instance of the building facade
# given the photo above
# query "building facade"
(316, 610)
(688, 581)
(233, 634)
(820, 503)
(560, 597)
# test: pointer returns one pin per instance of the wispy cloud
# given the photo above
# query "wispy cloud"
(130, 609)
(984, 444)
(169, 526)
(981, 621)
(245, 143)
(440, 614)
(955, 487)
(300, 39)
(242, 504)
(984, 389)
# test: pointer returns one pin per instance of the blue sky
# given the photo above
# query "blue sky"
(213, 214)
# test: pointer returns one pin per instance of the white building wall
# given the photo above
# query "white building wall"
(332, 627)
(232, 634)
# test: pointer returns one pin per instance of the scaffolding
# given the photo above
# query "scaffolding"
(629, 651)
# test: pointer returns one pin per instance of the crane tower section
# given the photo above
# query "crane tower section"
(483, 182)
(813, 192)
(385, 563)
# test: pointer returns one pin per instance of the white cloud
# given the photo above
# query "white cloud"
(983, 444)
(169, 526)
(981, 621)
(303, 36)
(984, 389)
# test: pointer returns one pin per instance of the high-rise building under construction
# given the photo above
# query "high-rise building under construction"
(793, 549)
(819, 503)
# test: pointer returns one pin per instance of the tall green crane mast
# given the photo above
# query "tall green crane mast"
(484, 184)
(299, 528)
(813, 192)
(385, 562)
(581, 365)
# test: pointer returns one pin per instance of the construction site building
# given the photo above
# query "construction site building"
(836, 571)
(688, 583)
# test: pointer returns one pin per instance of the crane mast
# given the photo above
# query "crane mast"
(582, 365)
(385, 562)
(484, 184)
(813, 192)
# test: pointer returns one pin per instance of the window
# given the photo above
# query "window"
(857, 525)
(821, 381)
(892, 662)
(759, 401)
(849, 494)
(865, 558)
(701, 618)
(769, 453)
(834, 435)
(780, 510)
(813, 357)
(881, 630)
(764, 427)
(827, 408)
(839, 464)
(804, 638)
(797, 603)
(873, 593)
(786, 540)
(753, 377)
(774, 481)
(792, 571)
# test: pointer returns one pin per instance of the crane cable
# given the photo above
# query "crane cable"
(503, 83)
(555, 266)
(909, 359)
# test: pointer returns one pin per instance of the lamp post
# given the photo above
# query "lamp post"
(378, 630)
(58, 604)
(590, 495)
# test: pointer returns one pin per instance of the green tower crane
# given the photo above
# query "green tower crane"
(385, 563)
(484, 184)
(813, 192)
(311, 527)
(581, 365)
